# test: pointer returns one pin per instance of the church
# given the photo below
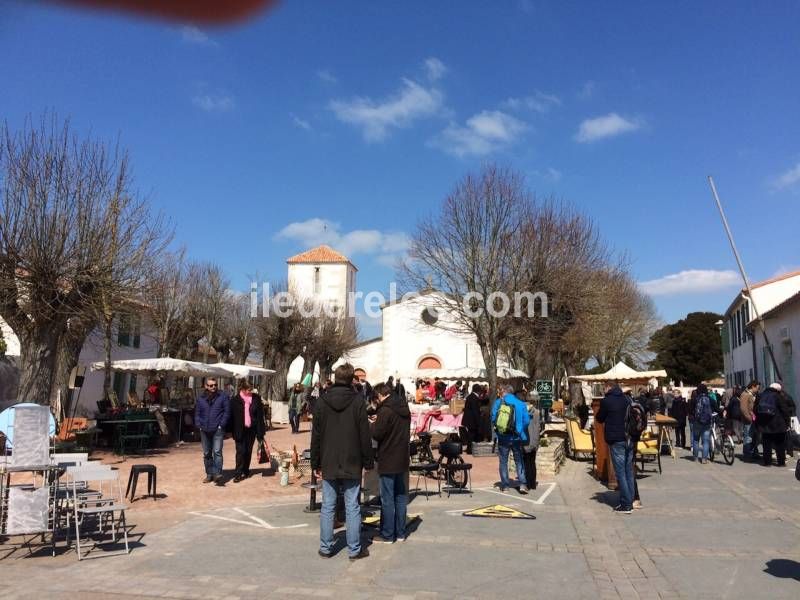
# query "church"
(414, 339)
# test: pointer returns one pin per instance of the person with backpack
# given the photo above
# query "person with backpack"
(773, 412)
(615, 415)
(510, 420)
(733, 413)
(701, 410)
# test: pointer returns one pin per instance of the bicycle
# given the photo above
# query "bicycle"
(722, 440)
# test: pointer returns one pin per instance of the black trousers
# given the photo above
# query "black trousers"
(244, 451)
(529, 458)
(777, 441)
(680, 435)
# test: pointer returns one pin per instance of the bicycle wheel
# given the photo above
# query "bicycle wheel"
(711, 448)
(727, 450)
(456, 479)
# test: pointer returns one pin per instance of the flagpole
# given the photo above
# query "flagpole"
(759, 320)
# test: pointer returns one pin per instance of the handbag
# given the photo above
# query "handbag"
(263, 453)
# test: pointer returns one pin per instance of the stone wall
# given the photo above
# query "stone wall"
(550, 458)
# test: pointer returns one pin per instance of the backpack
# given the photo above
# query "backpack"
(702, 410)
(767, 404)
(505, 423)
(635, 420)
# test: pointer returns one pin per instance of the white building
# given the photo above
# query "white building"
(744, 358)
(324, 275)
(782, 324)
(132, 338)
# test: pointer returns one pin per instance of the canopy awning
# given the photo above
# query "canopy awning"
(621, 372)
(240, 371)
(468, 373)
(164, 365)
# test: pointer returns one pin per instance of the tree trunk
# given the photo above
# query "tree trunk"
(308, 365)
(575, 389)
(37, 365)
(107, 335)
(68, 356)
(490, 361)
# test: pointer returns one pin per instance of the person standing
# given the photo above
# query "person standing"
(471, 420)
(613, 409)
(341, 449)
(392, 431)
(678, 411)
(702, 409)
(296, 398)
(211, 414)
(247, 426)
(747, 402)
(532, 445)
(773, 412)
(510, 421)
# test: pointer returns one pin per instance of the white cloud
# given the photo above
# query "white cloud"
(482, 134)
(192, 35)
(326, 76)
(214, 102)
(301, 123)
(550, 174)
(435, 68)
(787, 179)
(411, 102)
(540, 102)
(693, 281)
(606, 126)
(359, 241)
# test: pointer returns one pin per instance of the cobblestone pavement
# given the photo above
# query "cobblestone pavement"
(706, 531)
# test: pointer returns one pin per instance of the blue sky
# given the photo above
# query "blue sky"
(362, 116)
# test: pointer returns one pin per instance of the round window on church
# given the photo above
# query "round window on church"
(429, 315)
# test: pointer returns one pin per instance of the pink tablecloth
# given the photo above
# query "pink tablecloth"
(435, 421)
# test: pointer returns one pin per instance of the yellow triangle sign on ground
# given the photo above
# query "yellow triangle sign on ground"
(498, 511)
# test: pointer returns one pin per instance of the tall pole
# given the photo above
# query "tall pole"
(759, 320)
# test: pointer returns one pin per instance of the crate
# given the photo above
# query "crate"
(482, 449)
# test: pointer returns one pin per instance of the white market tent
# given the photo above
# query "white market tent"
(468, 373)
(164, 365)
(621, 372)
(240, 371)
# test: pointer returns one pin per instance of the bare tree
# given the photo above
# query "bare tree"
(74, 241)
(235, 332)
(474, 245)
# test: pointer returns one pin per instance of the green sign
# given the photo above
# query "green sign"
(544, 387)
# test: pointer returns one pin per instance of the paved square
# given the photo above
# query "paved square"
(708, 531)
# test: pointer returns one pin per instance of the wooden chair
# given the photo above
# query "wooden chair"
(69, 426)
(580, 440)
(649, 448)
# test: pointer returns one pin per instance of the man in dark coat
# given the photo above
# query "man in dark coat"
(678, 411)
(471, 420)
(613, 408)
(392, 431)
(211, 414)
(773, 412)
(341, 449)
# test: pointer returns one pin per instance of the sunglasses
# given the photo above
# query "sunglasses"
(211, 385)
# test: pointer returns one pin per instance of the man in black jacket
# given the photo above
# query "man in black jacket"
(341, 448)
(613, 408)
(392, 431)
(471, 420)
(773, 412)
(678, 411)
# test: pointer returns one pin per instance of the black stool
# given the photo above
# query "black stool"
(134, 477)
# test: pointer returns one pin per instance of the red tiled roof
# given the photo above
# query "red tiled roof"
(320, 254)
(774, 279)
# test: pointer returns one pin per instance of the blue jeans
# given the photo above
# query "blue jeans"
(622, 459)
(704, 432)
(394, 500)
(352, 490)
(212, 451)
(503, 450)
(294, 420)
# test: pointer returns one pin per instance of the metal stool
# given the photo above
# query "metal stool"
(133, 478)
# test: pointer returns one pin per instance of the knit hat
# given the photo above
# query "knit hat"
(776, 386)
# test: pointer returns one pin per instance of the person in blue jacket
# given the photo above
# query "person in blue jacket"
(513, 442)
(211, 413)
